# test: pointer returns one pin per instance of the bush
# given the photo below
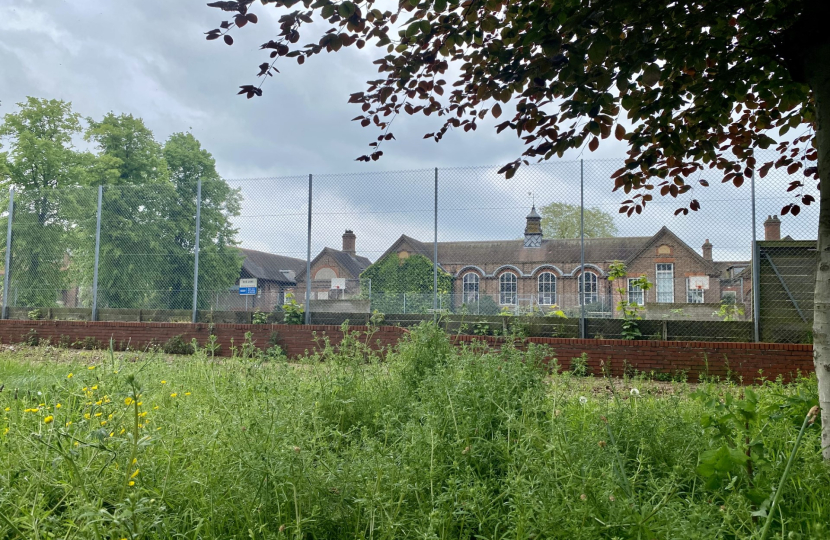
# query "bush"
(177, 345)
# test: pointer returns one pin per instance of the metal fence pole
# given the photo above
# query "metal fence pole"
(94, 316)
(196, 249)
(581, 249)
(308, 261)
(435, 253)
(8, 268)
(756, 269)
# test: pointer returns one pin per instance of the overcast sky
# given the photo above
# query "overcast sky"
(150, 58)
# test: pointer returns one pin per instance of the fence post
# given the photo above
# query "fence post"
(756, 270)
(196, 249)
(435, 254)
(581, 289)
(8, 267)
(308, 260)
(94, 316)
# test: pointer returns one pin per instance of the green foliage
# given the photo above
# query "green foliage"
(630, 310)
(392, 277)
(258, 317)
(729, 311)
(579, 366)
(562, 220)
(35, 315)
(177, 345)
(294, 313)
(427, 441)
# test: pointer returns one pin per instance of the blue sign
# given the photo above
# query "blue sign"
(251, 291)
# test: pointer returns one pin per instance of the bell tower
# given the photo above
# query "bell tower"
(533, 229)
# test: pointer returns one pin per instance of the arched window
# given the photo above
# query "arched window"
(324, 274)
(507, 289)
(547, 288)
(470, 287)
(588, 288)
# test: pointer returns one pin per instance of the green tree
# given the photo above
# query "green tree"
(41, 164)
(220, 260)
(691, 86)
(392, 277)
(137, 199)
(562, 220)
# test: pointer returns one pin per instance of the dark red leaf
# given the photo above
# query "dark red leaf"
(228, 39)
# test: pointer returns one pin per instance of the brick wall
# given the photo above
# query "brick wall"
(695, 358)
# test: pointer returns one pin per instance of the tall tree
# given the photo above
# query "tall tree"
(136, 199)
(219, 259)
(562, 220)
(703, 84)
(40, 164)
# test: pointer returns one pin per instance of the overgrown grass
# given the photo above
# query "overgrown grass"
(427, 442)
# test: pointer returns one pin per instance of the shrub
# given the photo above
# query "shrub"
(177, 345)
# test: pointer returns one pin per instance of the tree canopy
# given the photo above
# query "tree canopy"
(562, 220)
(148, 211)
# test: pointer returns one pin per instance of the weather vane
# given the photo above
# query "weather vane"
(532, 197)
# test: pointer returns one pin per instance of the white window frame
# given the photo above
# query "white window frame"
(635, 293)
(508, 297)
(661, 278)
(589, 296)
(546, 287)
(693, 296)
(470, 287)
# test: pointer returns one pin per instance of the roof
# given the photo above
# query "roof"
(261, 265)
(353, 264)
(564, 251)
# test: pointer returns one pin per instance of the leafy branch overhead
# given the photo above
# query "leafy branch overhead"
(704, 83)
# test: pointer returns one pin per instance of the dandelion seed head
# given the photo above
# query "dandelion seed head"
(634, 392)
(583, 400)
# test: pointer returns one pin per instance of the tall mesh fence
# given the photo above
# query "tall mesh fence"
(505, 248)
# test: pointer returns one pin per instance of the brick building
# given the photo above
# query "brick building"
(543, 272)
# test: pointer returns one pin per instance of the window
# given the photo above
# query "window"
(588, 288)
(470, 288)
(547, 289)
(694, 295)
(635, 293)
(665, 283)
(507, 289)
(729, 297)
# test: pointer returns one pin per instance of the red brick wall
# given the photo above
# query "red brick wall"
(743, 360)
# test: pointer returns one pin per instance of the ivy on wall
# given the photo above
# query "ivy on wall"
(393, 276)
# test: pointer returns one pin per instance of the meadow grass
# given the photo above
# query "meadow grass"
(427, 441)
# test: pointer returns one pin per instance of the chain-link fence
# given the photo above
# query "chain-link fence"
(547, 247)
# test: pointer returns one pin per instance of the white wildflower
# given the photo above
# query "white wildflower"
(583, 400)
(635, 392)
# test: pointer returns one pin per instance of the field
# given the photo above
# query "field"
(425, 442)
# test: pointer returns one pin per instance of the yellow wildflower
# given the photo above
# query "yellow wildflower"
(58, 405)
(85, 389)
(86, 416)
(128, 401)
(156, 407)
(174, 394)
(122, 431)
(142, 415)
(91, 367)
(103, 422)
(95, 387)
(187, 393)
(135, 460)
(7, 409)
(48, 419)
(69, 423)
(115, 372)
(132, 483)
(135, 473)
(112, 433)
(31, 410)
(163, 382)
(5, 431)
(98, 414)
(140, 403)
(98, 402)
(70, 376)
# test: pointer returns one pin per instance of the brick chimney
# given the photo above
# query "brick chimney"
(772, 228)
(349, 242)
(707, 250)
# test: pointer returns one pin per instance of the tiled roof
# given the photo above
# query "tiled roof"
(353, 264)
(268, 266)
